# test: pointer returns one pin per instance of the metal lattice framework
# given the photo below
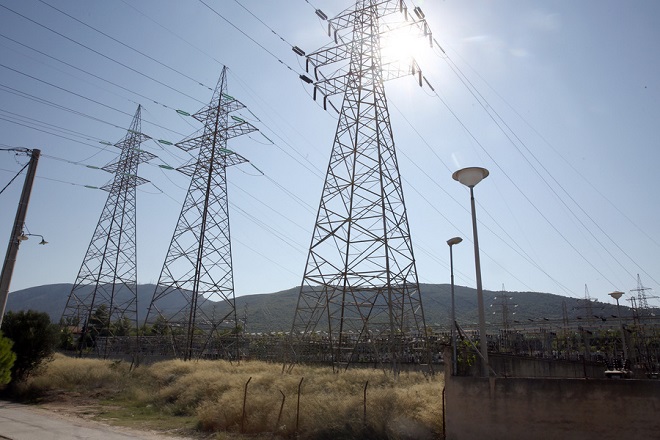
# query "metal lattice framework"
(360, 292)
(103, 300)
(198, 266)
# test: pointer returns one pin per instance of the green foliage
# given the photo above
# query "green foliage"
(34, 339)
(7, 359)
(466, 355)
(122, 327)
(160, 327)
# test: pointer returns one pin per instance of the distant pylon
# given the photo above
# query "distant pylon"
(198, 267)
(643, 309)
(359, 298)
(103, 300)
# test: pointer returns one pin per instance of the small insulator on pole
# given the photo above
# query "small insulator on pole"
(321, 14)
(419, 13)
(307, 79)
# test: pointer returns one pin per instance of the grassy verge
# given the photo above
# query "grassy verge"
(206, 397)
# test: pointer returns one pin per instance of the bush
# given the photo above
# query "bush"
(7, 359)
(34, 340)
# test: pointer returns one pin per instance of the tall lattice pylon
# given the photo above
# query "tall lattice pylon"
(198, 267)
(103, 300)
(359, 299)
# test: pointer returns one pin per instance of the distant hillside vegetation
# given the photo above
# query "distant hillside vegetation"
(274, 311)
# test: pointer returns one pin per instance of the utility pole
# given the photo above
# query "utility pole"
(14, 242)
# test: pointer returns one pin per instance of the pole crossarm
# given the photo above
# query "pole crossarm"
(345, 40)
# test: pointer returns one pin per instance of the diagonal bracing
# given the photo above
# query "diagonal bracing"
(103, 300)
(359, 300)
(194, 297)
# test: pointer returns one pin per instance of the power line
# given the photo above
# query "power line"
(247, 36)
(126, 45)
(102, 55)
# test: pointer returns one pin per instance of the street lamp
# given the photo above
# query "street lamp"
(616, 295)
(24, 237)
(470, 177)
(451, 242)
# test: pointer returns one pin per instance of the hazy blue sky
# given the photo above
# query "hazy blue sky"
(558, 99)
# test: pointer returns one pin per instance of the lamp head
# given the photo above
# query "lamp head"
(616, 294)
(43, 241)
(470, 176)
(453, 241)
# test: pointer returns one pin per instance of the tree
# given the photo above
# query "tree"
(34, 339)
(7, 359)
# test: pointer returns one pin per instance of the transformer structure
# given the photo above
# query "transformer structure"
(103, 301)
(359, 299)
(193, 303)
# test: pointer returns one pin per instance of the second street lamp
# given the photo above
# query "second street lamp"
(470, 177)
(451, 242)
(616, 295)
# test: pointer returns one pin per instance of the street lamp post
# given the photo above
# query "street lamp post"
(470, 177)
(616, 295)
(451, 242)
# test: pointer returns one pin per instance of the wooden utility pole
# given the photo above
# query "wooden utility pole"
(14, 242)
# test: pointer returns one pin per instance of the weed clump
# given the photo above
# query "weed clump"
(256, 398)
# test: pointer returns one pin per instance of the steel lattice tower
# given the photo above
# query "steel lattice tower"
(198, 266)
(103, 300)
(360, 282)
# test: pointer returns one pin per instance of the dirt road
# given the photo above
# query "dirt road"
(24, 422)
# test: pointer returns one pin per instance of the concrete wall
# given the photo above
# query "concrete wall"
(551, 408)
(517, 366)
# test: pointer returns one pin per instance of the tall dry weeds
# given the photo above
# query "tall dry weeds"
(331, 404)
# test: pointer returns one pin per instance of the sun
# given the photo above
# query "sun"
(401, 46)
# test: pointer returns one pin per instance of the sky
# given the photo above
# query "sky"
(557, 99)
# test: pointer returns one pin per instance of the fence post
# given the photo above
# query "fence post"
(364, 405)
(244, 402)
(279, 417)
(298, 405)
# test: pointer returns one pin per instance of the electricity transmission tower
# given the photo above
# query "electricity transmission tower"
(197, 274)
(503, 301)
(360, 292)
(642, 309)
(103, 300)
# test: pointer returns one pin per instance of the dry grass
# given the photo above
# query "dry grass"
(211, 393)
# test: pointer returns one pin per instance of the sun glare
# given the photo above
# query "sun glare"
(402, 45)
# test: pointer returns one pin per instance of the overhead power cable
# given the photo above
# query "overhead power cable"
(14, 178)
(247, 36)
(566, 192)
(126, 45)
(102, 55)
(88, 73)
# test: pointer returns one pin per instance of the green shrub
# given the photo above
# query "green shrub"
(7, 359)
(34, 339)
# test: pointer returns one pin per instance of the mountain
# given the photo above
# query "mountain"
(274, 311)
